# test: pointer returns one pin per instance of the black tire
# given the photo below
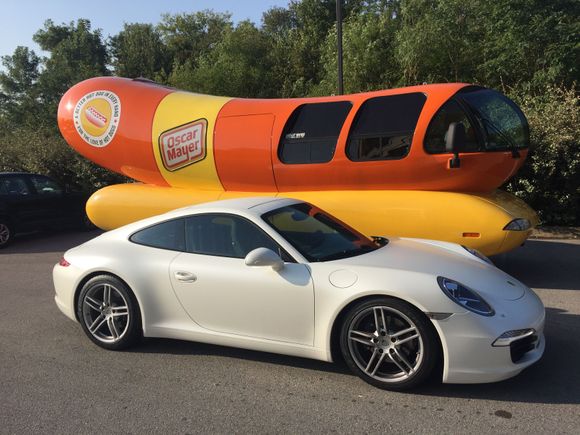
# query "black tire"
(112, 322)
(391, 366)
(6, 233)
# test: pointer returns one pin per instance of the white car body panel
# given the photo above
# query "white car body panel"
(292, 311)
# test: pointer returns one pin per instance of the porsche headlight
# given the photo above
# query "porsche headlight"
(465, 297)
(477, 254)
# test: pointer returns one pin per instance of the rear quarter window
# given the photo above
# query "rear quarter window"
(166, 235)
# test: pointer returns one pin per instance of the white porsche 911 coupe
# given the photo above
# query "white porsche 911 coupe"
(280, 275)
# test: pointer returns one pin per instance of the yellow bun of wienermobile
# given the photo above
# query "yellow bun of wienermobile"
(423, 161)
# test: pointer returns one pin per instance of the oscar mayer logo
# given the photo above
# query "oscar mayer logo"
(181, 146)
(96, 117)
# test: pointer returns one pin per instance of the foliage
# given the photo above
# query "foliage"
(550, 181)
(46, 152)
(527, 48)
(137, 51)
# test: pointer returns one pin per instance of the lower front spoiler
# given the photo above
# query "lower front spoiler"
(497, 367)
(470, 357)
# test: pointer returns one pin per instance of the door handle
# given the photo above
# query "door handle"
(185, 276)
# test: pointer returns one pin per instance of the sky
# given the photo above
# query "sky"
(20, 19)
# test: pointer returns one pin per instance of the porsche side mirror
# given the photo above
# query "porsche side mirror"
(455, 142)
(264, 257)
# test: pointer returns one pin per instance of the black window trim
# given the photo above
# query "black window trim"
(358, 136)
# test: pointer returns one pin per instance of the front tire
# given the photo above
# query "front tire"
(108, 313)
(389, 343)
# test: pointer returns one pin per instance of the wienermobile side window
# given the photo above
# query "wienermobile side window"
(384, 126)
(311, 133)
(492, 122)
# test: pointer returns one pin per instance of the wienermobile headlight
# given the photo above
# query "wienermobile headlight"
(518, 225)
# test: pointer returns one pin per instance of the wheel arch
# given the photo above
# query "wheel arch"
(334, 343)
(93, 274)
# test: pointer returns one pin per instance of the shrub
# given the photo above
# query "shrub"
(550, 179)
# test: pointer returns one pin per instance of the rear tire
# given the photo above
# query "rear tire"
(6, 233)
(389, 343)
(108, 313)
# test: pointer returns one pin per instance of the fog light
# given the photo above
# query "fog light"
(518, 225)
(509, 337)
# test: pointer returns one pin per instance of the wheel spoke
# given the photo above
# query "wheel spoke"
(113, 327)
(365, 338)
(97, 323)
(379, 319)
(107, 294)
(406, 339)
(375, 362)
(120, 311)
(403, 332)
(403, 359)
(95, 305)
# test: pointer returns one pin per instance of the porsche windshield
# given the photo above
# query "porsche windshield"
(317, 235)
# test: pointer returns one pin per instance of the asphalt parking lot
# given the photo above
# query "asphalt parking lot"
(54, 380)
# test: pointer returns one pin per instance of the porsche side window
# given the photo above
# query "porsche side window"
(311, 133)
(225, 236)
(384, 126)
(167, 235)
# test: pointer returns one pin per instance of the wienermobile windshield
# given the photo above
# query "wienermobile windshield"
(492, 122)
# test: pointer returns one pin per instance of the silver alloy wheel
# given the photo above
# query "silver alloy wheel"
(385, 344)
(4, 233)
(106, 313)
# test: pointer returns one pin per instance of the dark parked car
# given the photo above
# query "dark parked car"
(30, 202)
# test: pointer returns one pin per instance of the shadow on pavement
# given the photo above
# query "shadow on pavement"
(555, 379)
(543, 264)
(179, 347)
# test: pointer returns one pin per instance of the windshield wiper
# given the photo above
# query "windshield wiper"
(511, 145)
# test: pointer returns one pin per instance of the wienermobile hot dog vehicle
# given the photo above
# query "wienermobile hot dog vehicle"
(422, 161)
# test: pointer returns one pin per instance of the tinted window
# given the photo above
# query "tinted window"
(166, 235)
(449, 112)
(317, 235)
(14, 186)
(492, 122)
(311, 133)
(45, 186)
(383, 127)
(503, 123)
(225, 236)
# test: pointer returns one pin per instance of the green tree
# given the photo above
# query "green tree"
(19, 91)
(369, 61)
(138, 51)
(550, 179)
(76, 53)
(190, 36)
(237, 66)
